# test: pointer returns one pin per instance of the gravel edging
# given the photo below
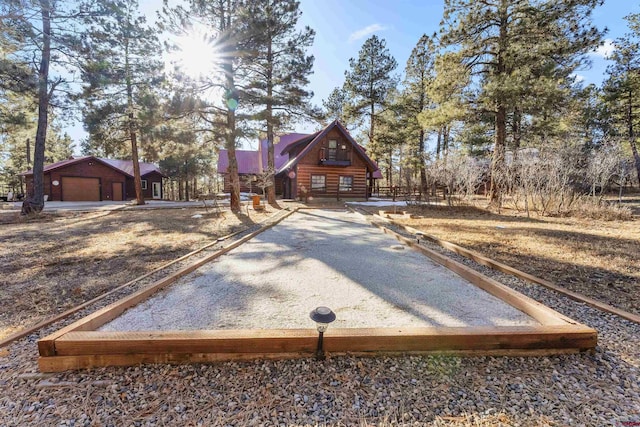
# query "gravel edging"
(596, 389)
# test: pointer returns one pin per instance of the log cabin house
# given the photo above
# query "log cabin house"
(90, 178)
(325, 164)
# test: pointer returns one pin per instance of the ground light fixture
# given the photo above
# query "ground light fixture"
(322, 316)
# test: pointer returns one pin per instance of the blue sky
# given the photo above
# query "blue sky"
(342, 26)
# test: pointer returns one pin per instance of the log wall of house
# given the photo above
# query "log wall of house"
(332, 180)
(311, 165)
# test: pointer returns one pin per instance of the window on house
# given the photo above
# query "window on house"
(346, 183)
(318, 183)
(144, 184)
(332, 152)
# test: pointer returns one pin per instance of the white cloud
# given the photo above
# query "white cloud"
(606, 49)
(364, 32)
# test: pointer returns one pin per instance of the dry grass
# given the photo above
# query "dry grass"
(54, 262)
(594, 257)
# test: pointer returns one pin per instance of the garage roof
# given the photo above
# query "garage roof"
(123, 166)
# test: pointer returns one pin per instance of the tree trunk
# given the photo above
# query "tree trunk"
(230, 135)
(632, 136)
(186, 181)
(445, 142)
(517, 131)
(423, 167)
(636, 158)
(271, 188)
(34, 202)
(137, 180)
(497, 161)
(29, 153)
(230, 145)
(390, 167)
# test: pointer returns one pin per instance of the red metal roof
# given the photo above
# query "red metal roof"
(124, 166)
(280, 149)
(247, 162)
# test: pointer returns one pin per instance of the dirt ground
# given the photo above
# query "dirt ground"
(598, 258)
(57, 261)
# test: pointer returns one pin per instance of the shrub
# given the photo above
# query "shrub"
(591, 209)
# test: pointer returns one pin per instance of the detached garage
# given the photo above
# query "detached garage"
(90, 178)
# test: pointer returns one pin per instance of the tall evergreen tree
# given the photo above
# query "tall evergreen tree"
(231, 41)
(49, 30)
(511, 45)
(368, 83)
(279, 69)
(419, 73)
(622, 88)
(449, 97)
(121, 69)
(17, 81)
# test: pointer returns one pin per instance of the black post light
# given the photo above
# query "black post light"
(322, 316)
(419, 235)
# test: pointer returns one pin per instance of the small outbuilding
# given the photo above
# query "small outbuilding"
(90, 178)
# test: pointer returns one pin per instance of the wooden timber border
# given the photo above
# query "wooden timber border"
(504, 268)
(80, 345)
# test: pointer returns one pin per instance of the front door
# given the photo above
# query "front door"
(156, 190)
(116, 188)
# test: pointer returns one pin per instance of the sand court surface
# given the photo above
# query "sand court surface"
(313, 258)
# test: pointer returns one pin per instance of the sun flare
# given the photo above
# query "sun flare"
(196, 56)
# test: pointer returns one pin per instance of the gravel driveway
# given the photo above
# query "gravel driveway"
(321, 257)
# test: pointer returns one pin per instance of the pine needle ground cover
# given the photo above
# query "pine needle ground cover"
(58, 261)
(596, 258)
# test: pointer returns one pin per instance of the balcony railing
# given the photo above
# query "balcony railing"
(334, 157)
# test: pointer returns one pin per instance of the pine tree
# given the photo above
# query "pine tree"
(516, 48)
(17, 81)
(449, 97)
(368, 83)
(227, 117)
(49, 32)
(122, 67)
(419, 74)
(622, 88)
(278, 70)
